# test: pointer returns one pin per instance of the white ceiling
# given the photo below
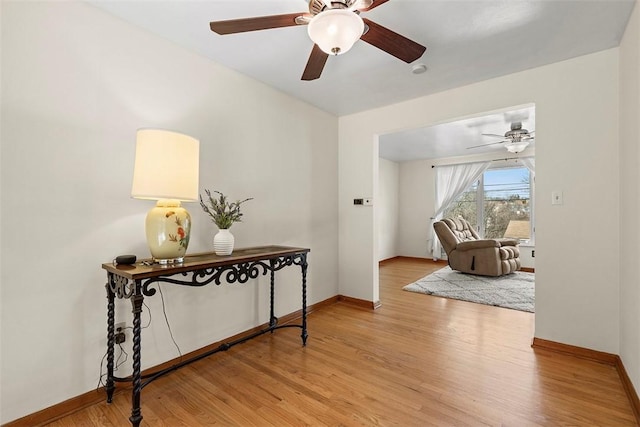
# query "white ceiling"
(454, 139)
(467, 41)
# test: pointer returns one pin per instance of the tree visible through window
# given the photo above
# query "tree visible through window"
(465, 206)
(498, 205)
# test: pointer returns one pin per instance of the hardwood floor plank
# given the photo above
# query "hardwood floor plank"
(418, 360)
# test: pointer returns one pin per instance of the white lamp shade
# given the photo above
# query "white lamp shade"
(166, 166)
(335, 30)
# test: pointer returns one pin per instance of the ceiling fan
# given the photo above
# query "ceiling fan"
(333, 26)
(517, 138)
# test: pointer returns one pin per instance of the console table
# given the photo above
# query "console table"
(134, 282)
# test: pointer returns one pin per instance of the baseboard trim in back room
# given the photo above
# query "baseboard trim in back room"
(369, 305)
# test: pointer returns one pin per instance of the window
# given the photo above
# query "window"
(466, 206)
(499, 204)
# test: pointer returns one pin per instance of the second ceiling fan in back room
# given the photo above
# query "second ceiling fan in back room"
(334, 26)
(516, 139)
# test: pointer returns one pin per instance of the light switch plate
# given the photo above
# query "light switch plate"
(556, 197)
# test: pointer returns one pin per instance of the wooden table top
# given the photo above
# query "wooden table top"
(143, 269)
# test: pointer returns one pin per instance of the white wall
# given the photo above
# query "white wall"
(417, 196)
(630, 198)
(388, 203)
(76, 84)
(576, 152)
(527, 258)
(358, 241)
(1, 220)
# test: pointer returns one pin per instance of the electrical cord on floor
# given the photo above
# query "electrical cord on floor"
(101, 376)
(164, 311)
(117, 364)
(148, 323)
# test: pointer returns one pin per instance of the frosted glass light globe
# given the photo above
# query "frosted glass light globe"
(335, 30)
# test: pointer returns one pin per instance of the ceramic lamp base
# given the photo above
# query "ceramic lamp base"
(168, 227)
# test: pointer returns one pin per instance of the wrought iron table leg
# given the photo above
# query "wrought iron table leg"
(273, 320)
(136, 302)
(110, 384)
(303, 266)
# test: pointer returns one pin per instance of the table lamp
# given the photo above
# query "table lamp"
(166, 169)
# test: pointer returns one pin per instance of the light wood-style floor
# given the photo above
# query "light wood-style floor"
(416, 361)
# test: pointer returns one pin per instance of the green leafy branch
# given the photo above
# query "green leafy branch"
(222, 212)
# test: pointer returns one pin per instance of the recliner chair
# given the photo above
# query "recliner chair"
(470, 254)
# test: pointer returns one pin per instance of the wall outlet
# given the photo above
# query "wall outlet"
(120, 335)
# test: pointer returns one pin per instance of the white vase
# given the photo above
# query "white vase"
(223, 242)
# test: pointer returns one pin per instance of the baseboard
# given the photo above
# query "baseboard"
(362, 303)
(629, 389)
(596, 356)
(400, 257)
(93, 397)
(572, 350)
(61, 409)
(444, 262)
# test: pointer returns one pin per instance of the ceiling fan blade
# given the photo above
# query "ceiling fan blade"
(242, 25)
(493, 134)
(375, 4)
(491, 143)
(391, 42)
(315, 64)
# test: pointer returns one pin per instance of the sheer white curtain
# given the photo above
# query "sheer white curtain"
(451, 181)
(530, 163)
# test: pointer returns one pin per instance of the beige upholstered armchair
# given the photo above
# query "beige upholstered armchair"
(470, 254)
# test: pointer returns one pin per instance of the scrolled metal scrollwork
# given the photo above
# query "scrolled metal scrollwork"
(146, 290)
(241, 273)
(300, 259)
(281, 262)
(120, 286)
(236, 273)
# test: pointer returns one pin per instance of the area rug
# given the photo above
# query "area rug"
(515, 291)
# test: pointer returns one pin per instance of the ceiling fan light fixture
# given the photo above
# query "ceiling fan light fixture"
(336, 30)
(517, 147)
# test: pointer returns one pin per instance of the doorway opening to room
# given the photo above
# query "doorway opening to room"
(495, 196)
